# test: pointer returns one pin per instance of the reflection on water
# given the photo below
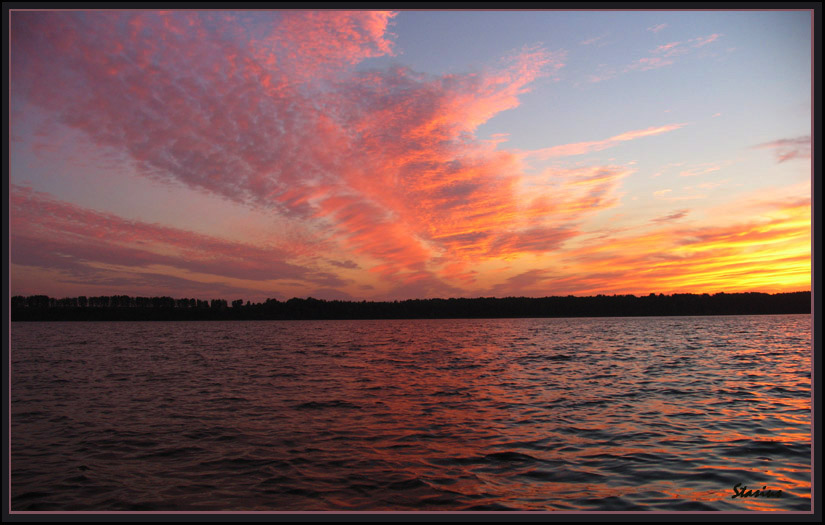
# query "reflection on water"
(504, 414)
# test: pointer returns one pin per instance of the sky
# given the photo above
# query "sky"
(371, 155)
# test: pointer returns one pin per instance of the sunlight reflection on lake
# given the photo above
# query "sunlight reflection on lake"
(662, 414)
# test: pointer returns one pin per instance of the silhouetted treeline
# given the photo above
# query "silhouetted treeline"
(125, 308)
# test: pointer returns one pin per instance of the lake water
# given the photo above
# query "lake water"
(607, 414)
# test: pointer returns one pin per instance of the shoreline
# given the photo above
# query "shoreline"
(125, 308)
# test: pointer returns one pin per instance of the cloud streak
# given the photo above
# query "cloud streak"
(770, 254)
(789, 149)
(280, 112)
(278, 118)
(662, 56)
(582, 148)
(672, 217)
(48, 233)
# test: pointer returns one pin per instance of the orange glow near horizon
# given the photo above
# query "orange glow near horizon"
(296, 153)
(769, 256)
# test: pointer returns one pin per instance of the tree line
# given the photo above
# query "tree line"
(126, 308)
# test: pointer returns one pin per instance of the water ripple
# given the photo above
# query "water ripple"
(662, 414)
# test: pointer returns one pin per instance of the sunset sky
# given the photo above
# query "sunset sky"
(411, 154)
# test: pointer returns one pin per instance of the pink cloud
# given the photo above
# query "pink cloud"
(670, 49)
(657, 28)
(703, 41)
(663, 56)
(788, 149)
(601, 76)
(581, 148)
(277, 117)
(49, 233)
(648, 63)
(537, 239)
(593, 40)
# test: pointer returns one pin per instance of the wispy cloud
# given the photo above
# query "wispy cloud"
(657, 28)
(666, 168)
(788, 149)
(648, 63)
(591, 41)
(53, 234)
(709, 185)
(581, 148)
(602, 74)
(672, 217)
(349, 265)
(278, 118)
(670, 50)
(662, 56)
(700, 170)
(768, 254)
(703, 41)
(524, 283)
(279, 114)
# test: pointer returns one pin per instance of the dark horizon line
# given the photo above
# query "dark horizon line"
(465, 298)
(123, 307)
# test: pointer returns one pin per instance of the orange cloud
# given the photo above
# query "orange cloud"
(770, 255)
(278, 118)
(581, 148)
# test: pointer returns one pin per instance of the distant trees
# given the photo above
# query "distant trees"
(122, 307)
(218, 304)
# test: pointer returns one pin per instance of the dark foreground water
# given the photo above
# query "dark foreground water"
(664, 414)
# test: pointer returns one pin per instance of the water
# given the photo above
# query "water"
(615, 414)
